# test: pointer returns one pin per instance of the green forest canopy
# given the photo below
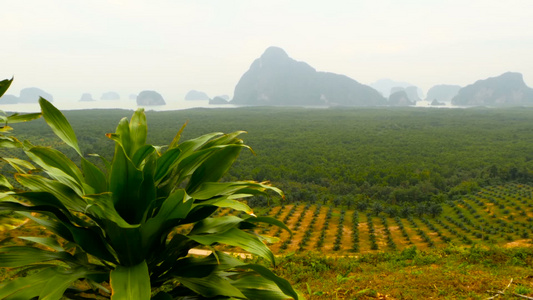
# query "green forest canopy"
(390, 157)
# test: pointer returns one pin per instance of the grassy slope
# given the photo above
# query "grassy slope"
(446, 273)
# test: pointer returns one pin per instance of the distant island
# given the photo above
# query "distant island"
(196, 95)
(150, 98)
(86, 97)
(277, 79)
(27, 95)
(218, 100)
(110, 96)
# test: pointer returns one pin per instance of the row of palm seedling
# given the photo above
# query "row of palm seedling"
(402, 229)
(296, 226)
(468, 220)
(322, 236)
(355, 231)
(309, 230)
(390, 242)
(433, 228)
(421, 232)
(340, 231)
(371, 232)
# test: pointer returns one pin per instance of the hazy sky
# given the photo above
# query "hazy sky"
(69, 47)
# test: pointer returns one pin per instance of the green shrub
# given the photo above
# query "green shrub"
(117, 226)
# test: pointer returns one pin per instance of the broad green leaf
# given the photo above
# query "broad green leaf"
(5, 183)
(45, 241)
(45, 202)
(58, 166)
(283, 284)
(199, 213)
(148, 190)
(49, 157)
(189, 146)
(166, 257)
(214, 167)
(228, 203)
(162, 296)
(166, 162)
(19, 256)
(141, 154)
(17, 118)
(138, 130)
(211, 286)
(175, 207)
(189, 164)
(104, 160)
(194, 267)
(225, 139)
(9, 142)
(126, 242)
(123, 134)
(62, 192)
(94, 176)
(26, 287)
(237, 238)
(215, 225)
(19, 164)
(131, 283)
(125, 184)
(59, 124)
(4, 85)
(208, 190)
(5, 128)
(256, 287)
(90, 238)
(101, 206)
(56, 286)
(51, 224)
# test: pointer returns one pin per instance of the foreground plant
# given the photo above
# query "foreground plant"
(117, 227)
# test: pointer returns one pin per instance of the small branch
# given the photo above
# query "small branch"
(522, 296)
(498, 293)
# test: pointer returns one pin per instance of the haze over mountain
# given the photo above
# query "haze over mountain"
(277, 79)
(110, 96)
(196, 95)
(218, 100)
(400, 98)
(442, 93)
(86, 97)
(506, 89)
(385, 86)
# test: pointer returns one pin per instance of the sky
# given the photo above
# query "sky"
(70, 47)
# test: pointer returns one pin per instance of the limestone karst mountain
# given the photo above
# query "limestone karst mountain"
(150, 98)
(218, 100)
(31, 95)
(277, 79)
(27, 95)
(196, 95)
(400, 98)
(506, 89)
(110, 96)
(385, 86)
(86, 97)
